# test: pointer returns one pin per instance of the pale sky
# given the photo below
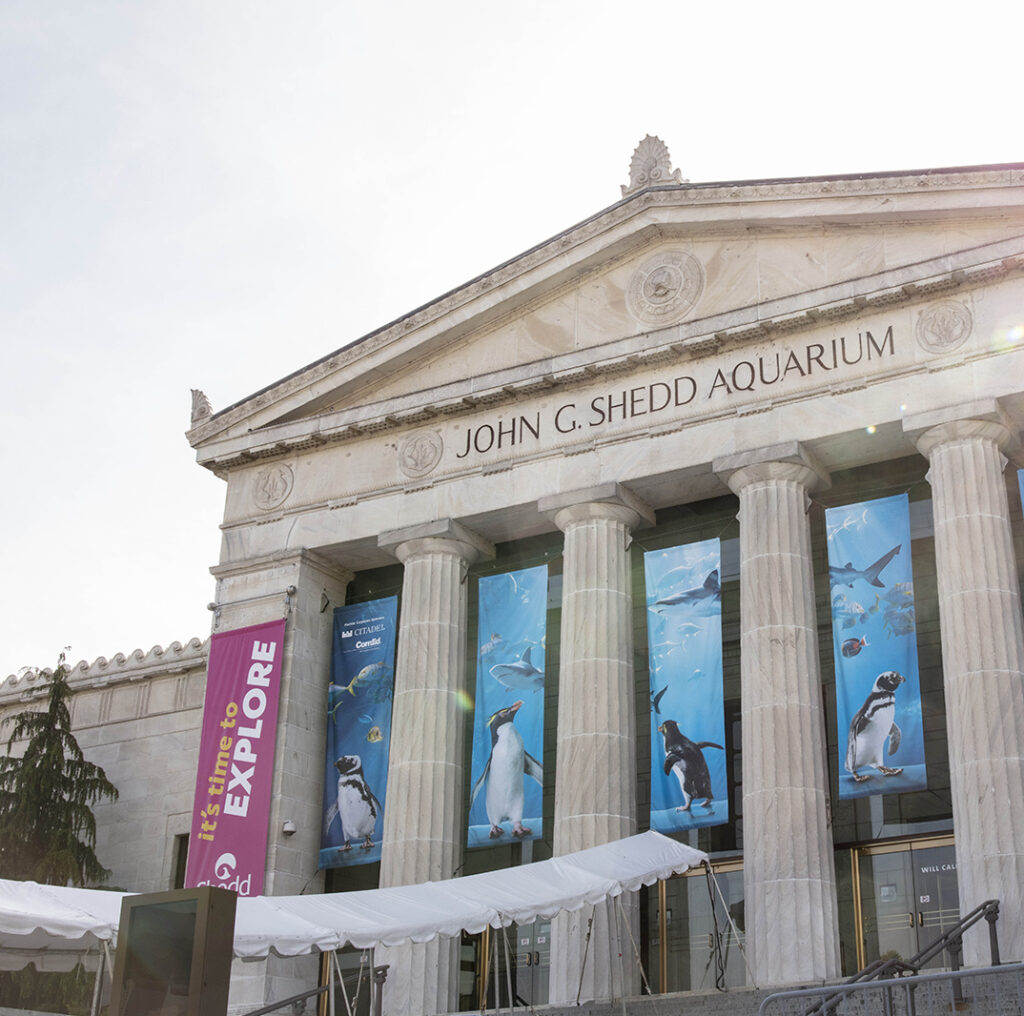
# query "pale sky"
(214, 193)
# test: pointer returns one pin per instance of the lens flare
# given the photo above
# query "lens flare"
(1007, 338)
(464, 701)
(870, 429)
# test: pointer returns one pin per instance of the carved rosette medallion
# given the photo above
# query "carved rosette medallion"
(273, 485)
(944, 327)
(419, 453)
(665, 287)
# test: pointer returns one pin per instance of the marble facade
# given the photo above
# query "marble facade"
(688, 342)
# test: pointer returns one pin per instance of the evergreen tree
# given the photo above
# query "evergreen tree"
(47, 828)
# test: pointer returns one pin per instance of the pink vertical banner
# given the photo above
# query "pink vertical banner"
(230, 816)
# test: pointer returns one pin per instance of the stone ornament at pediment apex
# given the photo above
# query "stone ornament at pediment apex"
(651, 166)
(420, 452)
(272, 486)
(665, 288)
(201, 408)
(944, 326)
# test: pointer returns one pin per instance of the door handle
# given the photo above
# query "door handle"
(920, 918)
(536, 958)
(910, 923)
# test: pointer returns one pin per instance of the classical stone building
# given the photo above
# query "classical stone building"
(695, 360)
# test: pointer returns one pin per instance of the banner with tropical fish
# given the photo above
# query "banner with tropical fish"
(358, 732)
(508, 726)
(874, 634)
(689, 786)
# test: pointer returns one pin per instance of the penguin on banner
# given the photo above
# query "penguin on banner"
(508, 765)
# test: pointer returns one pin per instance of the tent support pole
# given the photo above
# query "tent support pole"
(636, 950)
(330, 983)
(322, 981)
(662, 935)
(586, 953)
(484, 967)
(97, 987)
(497, 981)
(508, 970)
(341, 981)
(732, 923)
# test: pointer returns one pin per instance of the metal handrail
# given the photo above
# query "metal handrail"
(908, 984)
(379, 974)
(951, 941)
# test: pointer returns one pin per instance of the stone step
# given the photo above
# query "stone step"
(995, 993)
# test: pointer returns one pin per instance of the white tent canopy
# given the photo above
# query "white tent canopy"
(51, 925)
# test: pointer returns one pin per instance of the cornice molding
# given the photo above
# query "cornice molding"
(682, 342)
(176, 658)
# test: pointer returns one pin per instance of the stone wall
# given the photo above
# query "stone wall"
(139, 717)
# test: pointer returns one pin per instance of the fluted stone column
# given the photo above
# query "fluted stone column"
(982, 660)
(423, 827)
(595, 787)
(792, 934)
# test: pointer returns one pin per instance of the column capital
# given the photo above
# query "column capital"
(444, 536)
(602, 501)
(985, 419)
(789, 460)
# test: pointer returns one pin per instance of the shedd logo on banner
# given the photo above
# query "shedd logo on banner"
(224, 868)
(225, 865)
(230, 816)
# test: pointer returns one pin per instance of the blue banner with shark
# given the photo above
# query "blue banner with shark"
(508, 729)
(358, 732)
(874, 634)
(1020, 487)
(689, 786)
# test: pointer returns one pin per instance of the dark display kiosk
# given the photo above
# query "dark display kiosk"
(174, 953)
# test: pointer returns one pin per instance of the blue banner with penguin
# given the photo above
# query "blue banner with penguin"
(684, 637)
(874, 634)
(359, 700)
(507, 777)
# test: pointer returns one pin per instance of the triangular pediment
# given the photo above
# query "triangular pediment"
(663, 268)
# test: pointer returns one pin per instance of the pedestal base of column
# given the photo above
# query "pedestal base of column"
(423, 979)
(609, 962)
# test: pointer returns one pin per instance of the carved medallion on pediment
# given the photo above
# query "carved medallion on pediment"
(273, 485)
(943, 327)
(665, 287)
(419, 453)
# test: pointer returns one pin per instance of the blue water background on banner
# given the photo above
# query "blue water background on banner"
(512, 624)
(359, 700)
(685, 658)
(1020, 487)
(885, 619)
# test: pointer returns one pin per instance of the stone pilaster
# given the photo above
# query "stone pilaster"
(982, 660)
(303, 587)
(595, 788)
(423, 823)
(789, 886)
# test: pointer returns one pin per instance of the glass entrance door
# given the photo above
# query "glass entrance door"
(908, 898)
(533, 962)
(695, 931)
(523, 960)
